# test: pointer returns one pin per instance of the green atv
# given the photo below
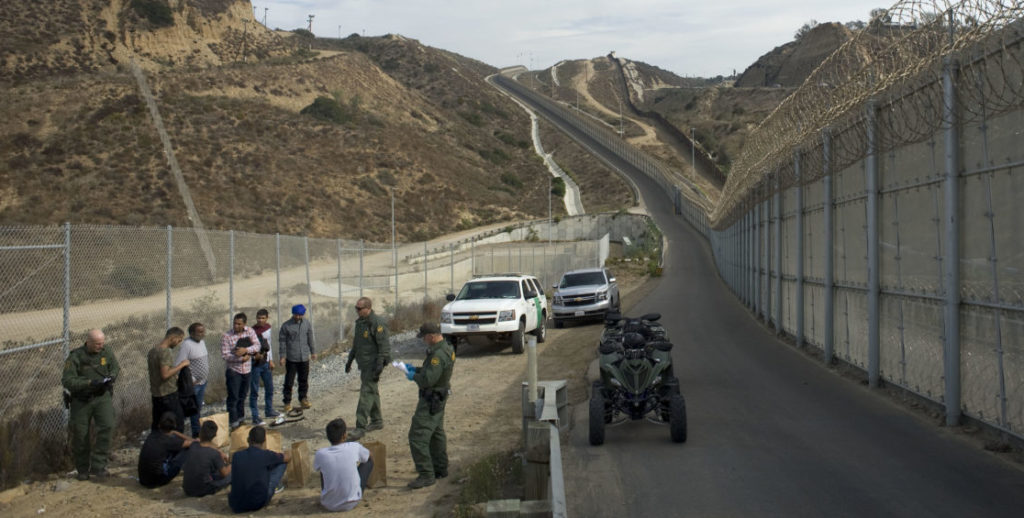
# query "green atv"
(637, 380)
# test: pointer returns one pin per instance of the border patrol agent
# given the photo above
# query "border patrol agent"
(371, 350)
(89, 375)
(427, 440)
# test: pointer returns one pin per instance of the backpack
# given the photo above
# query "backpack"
(187, 393)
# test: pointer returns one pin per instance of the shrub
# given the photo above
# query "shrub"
(133, 281)
(558, 186)
(494, 156)
(157, 12)
(510, 179)
(327, 109)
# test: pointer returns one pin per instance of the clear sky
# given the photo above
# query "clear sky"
(691, 38)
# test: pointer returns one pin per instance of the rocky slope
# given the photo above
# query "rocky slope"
(78, 144)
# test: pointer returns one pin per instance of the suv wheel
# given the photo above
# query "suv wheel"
(542, 330)
(519, 339)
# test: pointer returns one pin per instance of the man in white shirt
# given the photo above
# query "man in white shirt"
(193, 349)
(344, 469)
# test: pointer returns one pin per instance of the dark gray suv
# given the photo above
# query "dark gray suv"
(584, 294)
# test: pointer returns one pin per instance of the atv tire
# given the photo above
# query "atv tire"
(597, 417)
(519, 339)
(677, 418)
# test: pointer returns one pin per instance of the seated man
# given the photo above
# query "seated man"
(206, 469)
(341, 482)
(258, 473)
(163, 453)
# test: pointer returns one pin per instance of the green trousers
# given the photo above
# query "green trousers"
(427, 441)
(100, 411)
(368, 409)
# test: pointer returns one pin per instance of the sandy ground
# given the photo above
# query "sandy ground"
(482, 417)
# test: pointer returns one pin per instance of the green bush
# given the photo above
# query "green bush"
(133, 281)
(494, 156)
(157, 12)
(327, 109)
(511, 179)
(558, 186)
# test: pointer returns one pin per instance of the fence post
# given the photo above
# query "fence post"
(829, 245)
(871, 185)
(425, 264)
(67, 290)
(778, 251)
(277, 271)
(231, 277)
(951, 257)
(170, 255)
(309, 288)
(394, 246)
(799, 306)
(341, 307)
(361, 251)
(451, 267)
(755, 264)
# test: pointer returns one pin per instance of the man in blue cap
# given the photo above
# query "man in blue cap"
(295, 352)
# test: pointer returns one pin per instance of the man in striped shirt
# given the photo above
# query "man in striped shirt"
(237, 347)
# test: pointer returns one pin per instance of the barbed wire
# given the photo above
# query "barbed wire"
(895, 66)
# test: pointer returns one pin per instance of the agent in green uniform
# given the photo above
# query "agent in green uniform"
(427, 441)
(371, 350)
(89, 375)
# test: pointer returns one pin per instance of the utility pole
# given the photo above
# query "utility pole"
(265, 9)
(339, 32)
(311, 31)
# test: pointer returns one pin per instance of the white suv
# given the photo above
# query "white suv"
(502, 306)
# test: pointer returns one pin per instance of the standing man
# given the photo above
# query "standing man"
(163, 379)
(426, 434)
(89, 375)
(371, 350)
(193, 349)
(262, 370)
(237, 347)
(296, 351)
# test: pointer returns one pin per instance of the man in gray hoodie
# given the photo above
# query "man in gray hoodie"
(295, 352)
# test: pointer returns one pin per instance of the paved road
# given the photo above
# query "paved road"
(771, 432)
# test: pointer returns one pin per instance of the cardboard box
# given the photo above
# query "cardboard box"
(223, 437)
(379, 454)
(300, 468)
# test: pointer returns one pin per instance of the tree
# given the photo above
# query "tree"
(855, 25)
(882, 15)
(805, 28)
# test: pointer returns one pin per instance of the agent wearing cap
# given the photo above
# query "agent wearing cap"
(371, 350)
(295, 350)
(427, 440)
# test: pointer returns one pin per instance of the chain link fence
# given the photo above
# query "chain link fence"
(134, 283)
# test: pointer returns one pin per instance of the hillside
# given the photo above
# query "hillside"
(77, 143)
(789, 65)
(660, 109)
